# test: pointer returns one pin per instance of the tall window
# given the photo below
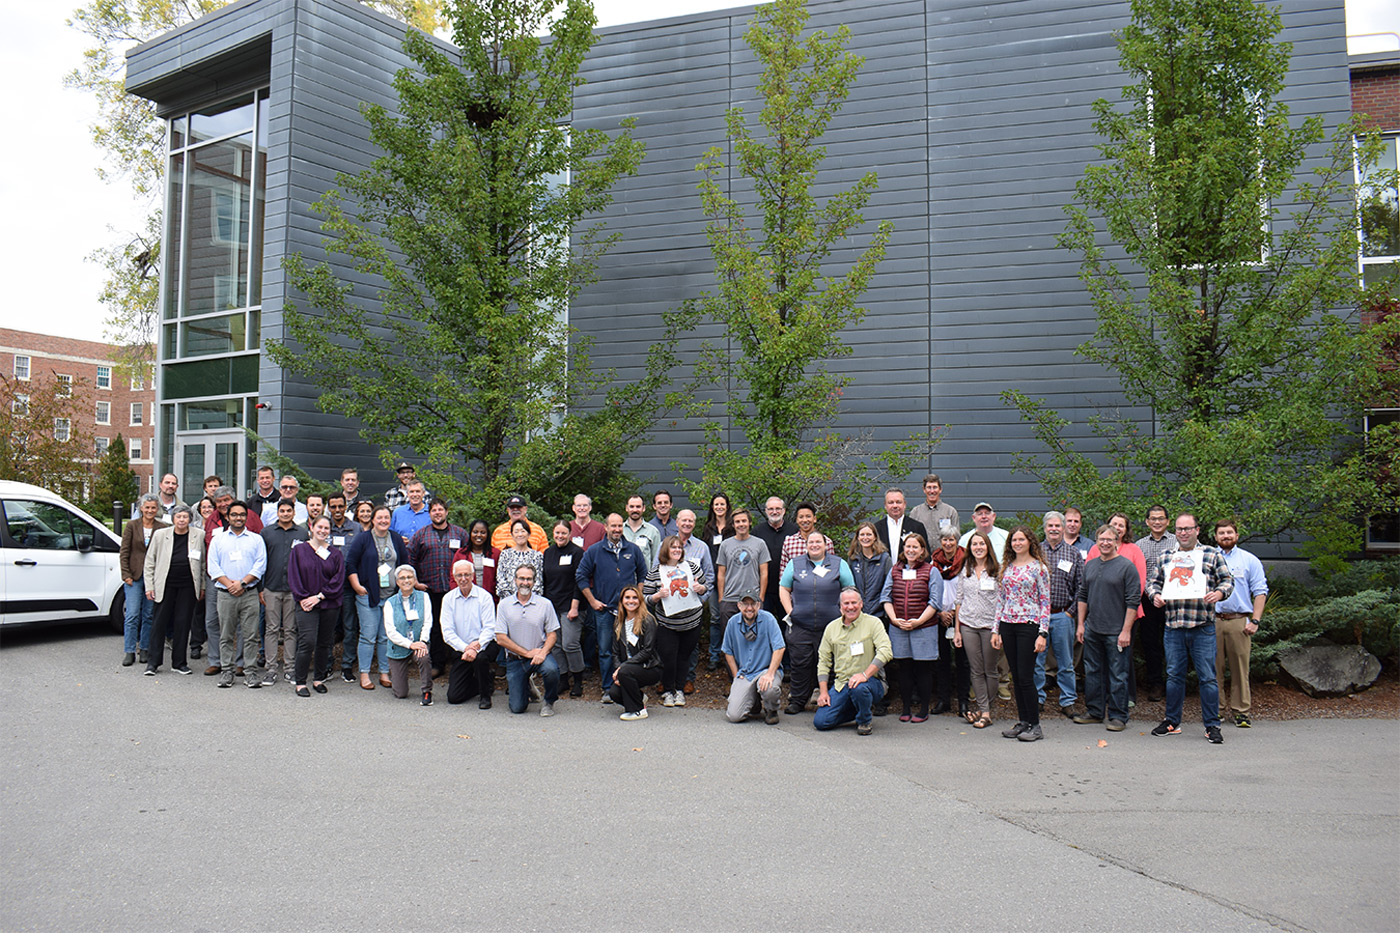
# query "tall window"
(134, 448)
(104, 412)
(22, 367)
(65, 385)
(138, 378)
(1380, 216)
(104, 377)
(20, 405)
(62, 429)
(100, 444)
(137, 413)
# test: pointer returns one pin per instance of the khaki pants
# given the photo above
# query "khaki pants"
(281, 617)
(1232, 645)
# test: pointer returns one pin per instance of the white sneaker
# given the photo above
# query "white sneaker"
(680, 698)
(668, 699)
(631, 717)
(607, 698)
(547, 709)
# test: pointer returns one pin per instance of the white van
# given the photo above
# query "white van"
(57, 563)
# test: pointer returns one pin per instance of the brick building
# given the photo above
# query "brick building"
(110, 400)
(1375, 96)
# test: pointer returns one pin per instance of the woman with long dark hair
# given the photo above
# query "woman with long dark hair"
(482, 555)
(561, 560)
(916, 593)
(976, 614)
(1022, 623)
(316, 577)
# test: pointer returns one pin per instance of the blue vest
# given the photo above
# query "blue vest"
(404, 627)
(815, 600)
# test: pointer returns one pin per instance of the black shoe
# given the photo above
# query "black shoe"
(1166, 727)
(320, 688)
(576, 686)
(880, 709)
(182, 669)
(1213, 734)
(150, 672)
(427, 698)
(303, 692)
(143, 655)
(1015, 731)
(128, 659)
(1085, 719)
(262, 661)
(348, 676)
(1033, 734)
(939, 708)
(863, 728)
(792, 710)
(963, 708)
(196, 652)
(484, 704)
(770, 718)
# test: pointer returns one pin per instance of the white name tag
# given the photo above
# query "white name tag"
(565, 560)
(1065, 565)
(577, 539)
(717, 539)
(820, 571)
(411, 615)
(988, 583)
(487, 562)
(454, 543)
(857, 649)
(910, 574)
(338, 540)
(632, 637)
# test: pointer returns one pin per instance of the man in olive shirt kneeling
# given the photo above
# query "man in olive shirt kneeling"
(855, 649)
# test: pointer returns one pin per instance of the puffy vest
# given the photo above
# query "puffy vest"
(816, 600)
(411, 629)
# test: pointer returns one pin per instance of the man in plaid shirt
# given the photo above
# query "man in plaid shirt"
(1190, 628)
(430, 552)
(1066, 566)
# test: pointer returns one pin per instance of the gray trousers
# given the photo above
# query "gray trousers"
(982, 661)
(211, 628)
(400, 668)
(744, 697)
(568, 653)
(237, 614)
(281, 628)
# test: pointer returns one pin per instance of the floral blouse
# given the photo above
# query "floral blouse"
(1023, 596)
(506, 563)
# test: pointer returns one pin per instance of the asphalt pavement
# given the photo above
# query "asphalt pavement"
(140, 803)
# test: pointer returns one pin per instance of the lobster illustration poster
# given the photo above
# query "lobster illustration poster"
(1185, 577)
(677, 589)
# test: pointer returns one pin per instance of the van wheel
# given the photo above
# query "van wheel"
(116, 617)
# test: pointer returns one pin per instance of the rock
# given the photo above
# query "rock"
(1330, 670)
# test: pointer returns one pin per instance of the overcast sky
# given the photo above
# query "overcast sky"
(60, 211)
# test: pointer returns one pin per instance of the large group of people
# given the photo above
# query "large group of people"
(917, 609)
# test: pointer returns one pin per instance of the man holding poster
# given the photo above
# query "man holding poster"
(1187, 583)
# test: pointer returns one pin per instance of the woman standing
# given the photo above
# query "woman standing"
(675, 590)
(718, 526)
(519, 554)
(369, 569)
(561, 560)
(1022, 621)
(916, 593)
(870, 563)
(364, 514)
(140, 611)
(810, 591)
(635, 638)
(976, 614)
(950, 670)
(316, 576)
(408, 622)
(203, 511)
(173, 577)
(483, 556)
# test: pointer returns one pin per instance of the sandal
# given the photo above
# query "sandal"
(982, 722)
(971, 717)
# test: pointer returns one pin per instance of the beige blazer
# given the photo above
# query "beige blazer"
(158, 560)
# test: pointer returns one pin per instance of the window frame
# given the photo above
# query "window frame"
(63, 427)
(99, 382)
(104, 412)
(137, 415)
(28, 367)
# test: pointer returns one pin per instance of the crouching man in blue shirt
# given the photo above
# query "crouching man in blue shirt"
(753, 649)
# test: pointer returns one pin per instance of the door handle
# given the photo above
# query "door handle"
(26, 563)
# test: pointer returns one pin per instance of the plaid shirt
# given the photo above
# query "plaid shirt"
(1191, 613)
(1152, 551)
(1064, 584)
(431, 555)
(397, 496)
(794, 545)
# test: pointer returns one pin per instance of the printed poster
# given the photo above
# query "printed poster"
(1186, 579)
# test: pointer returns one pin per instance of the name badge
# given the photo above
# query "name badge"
(488, 562)
(632, 638)
(949, 632)
(910, 574)
(717, 539)
(411, 615)
(988, 583)
(384, 571)
(565, 560)
(577, 539)
(820, 571)
(338, 540)
(1065, 565)
(857, 649)
(454, 543)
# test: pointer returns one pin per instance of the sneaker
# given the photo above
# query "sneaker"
(226, 679)
(262, 660)
(182, 669)
(427, 698)
(1115, 725)
(668, 699)
(1015, 731)
(150, 672)
(1167, 728)
(1213, 734)
(607, 698)
(864, 728)
(1033, 734)
(269, 679)
(770, 717)
(1004, 691)
(632, 717)
(536, 687)
(287, 675)
(576, 689)
(1242, 720)
(348, 676)
(680, 698)
(196, 652)
(547, 709)
(128, 659)
(1085, 719)
(252, 683)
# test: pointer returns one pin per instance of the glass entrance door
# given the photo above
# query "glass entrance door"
(203, 453)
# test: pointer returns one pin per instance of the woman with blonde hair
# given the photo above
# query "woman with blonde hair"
(640, 666)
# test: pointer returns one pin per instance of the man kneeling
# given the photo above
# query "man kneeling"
(753, 649)
(855, 648)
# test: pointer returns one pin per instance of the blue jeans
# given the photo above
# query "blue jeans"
(1062, 643)
(518, 671)
(373, 640)
(603, 620)
(140, 616)
(850, 703)
(1197, 644)
(1106, 676)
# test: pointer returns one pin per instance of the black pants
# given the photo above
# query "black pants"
(438, 651)
(631, 680)
(801, 661)
(954, 673)
(174, 614)
(197, 633)
(1147, 634)
(1018, 643)
(916, 684)
(472, 678)
(315, 636)
(675, 649)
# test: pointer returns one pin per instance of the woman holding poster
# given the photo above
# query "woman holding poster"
(674, 590)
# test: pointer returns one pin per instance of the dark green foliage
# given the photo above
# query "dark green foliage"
(1360, 605)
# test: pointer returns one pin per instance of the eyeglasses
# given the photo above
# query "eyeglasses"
(1180, 528)
(289, 487)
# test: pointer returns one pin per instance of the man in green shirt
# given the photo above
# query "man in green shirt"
(854, 648)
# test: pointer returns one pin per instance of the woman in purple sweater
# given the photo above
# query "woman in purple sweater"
(316, 575)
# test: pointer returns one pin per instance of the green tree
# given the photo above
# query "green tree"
(42, 440)
(132, 137)
(114, 481)
(1232, 317)
(469, 220)
(780, 305)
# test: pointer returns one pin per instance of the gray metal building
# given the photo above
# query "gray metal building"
(976, 116)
